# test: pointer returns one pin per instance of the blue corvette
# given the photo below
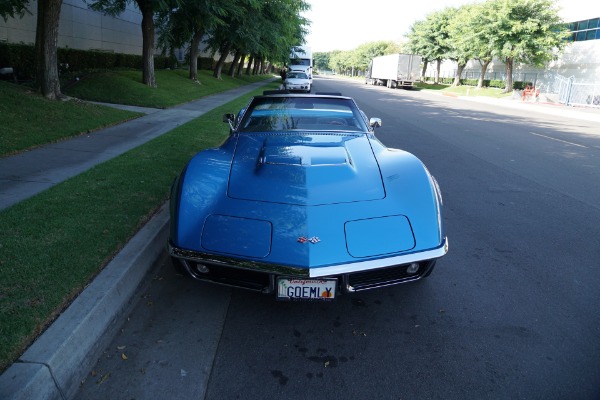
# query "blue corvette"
(303, 202)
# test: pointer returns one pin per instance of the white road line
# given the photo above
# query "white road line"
(558, 140)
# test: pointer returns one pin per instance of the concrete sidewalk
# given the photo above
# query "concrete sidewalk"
(591, 114)
(54, 365)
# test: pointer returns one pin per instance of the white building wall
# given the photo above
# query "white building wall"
(580, 60)
(82, 28)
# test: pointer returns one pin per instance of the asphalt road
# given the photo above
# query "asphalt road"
(510, 313)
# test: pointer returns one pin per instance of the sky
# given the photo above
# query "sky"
(346, 24)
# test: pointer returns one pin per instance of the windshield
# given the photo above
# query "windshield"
(267, 114)
(297, 75)
(300, 61)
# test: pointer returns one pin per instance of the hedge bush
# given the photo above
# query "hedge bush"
(21, 57)
(493, 83)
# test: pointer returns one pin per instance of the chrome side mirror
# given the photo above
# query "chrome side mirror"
(375, 122)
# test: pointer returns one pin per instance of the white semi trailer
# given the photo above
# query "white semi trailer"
(394, 70)
(301, 60)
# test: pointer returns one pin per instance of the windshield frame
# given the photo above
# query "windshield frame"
(293, 113)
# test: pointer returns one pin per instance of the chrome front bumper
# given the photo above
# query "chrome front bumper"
(261, 276)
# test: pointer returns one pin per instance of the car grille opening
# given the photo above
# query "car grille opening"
(387, 276)
(226, 275)
(265, 282)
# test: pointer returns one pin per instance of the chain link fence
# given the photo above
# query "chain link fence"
(574, 93)
(555, 87)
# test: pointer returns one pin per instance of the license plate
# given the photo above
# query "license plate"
(306, 289)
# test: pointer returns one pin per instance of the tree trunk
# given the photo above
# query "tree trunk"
(257, 64)
(424, 70)
(147, 9)
(484, 67)
(233, 66)
(509, 75)
(221, 62)
(241, 65)
(46, 43)
(194, 45)
(437, 71)
(459, 71)
(248, 68)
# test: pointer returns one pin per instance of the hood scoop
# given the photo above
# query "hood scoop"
(303, 155)
(305, 169)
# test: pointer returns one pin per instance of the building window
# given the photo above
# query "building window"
(588, 29)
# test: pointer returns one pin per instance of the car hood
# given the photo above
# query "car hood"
(305, 169)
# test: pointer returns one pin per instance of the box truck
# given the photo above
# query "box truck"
(394, 70)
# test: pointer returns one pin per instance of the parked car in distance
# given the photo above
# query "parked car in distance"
(297, 82)
(304, 202)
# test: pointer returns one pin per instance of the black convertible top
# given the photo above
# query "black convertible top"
(283, 92)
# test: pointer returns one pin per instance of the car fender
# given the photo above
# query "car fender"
(198, 190)
(410, 185)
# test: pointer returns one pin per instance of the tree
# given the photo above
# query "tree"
(441, 46)
(147, 8)
(418, 43)
(461, 39)
(479, 36)
(526, 31)
(13, 8)
(341, 61)
(321, 60)
(46, 41)
(430, 38)
(364, 53)
(285, 28)
(275, 27)
(233, 31)
(185, 22)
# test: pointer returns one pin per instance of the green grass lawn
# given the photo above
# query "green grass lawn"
(30, 120)
(456, 90)
(173, 87)
(463, 90)
(52, 245)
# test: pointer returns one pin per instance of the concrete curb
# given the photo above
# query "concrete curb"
(55, 364)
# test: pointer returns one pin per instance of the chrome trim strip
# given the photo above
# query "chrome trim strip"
(351, 289)
(307, 272)
(236, 262)
(381, 263)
